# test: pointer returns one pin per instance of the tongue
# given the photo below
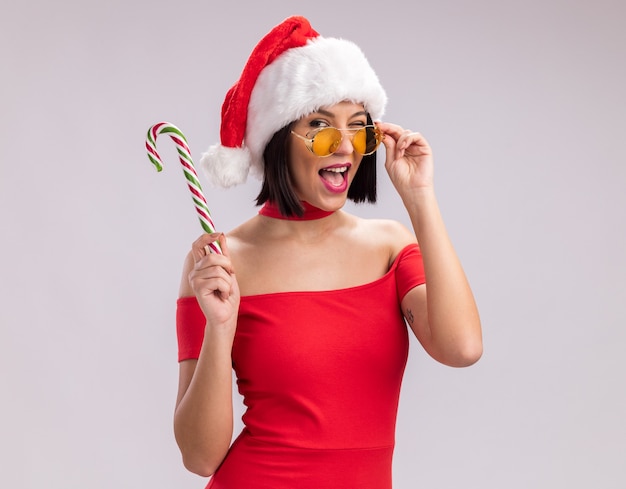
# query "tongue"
(334, 178)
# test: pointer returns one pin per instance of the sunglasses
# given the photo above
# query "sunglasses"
(325, 141)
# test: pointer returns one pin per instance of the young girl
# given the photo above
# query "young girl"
(310, 304)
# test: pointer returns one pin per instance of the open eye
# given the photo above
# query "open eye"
(318, 124)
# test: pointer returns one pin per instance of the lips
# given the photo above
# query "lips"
(335, 177)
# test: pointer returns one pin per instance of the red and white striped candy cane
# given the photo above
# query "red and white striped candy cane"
(184, 156)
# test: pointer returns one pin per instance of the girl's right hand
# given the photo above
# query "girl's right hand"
(212, 279)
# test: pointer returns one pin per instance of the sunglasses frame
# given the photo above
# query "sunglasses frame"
(308, 142)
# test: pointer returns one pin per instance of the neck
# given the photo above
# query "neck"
(311, 213)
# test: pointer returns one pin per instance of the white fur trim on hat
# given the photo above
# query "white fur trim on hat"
(325, 72)
(226, 166)
(322, 73)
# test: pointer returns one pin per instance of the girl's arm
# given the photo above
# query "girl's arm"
(203, 418)
(443, 313)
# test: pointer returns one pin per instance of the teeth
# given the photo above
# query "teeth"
(337, 170)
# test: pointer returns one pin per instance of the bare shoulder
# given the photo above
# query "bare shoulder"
(388, 233)
(244, 235)
(243, 243)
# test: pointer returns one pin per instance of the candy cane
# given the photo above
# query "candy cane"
(184, 156)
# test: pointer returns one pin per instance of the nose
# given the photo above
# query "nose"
(345, 146)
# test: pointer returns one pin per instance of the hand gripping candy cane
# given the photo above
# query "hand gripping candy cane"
(184, 156)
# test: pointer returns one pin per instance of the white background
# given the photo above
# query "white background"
(524, 105)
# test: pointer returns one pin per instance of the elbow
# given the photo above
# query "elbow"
(467, 353)
(201, 462)
(201, 459)
(199, 466)
(465, 347)
(201, 455)
(459, 354)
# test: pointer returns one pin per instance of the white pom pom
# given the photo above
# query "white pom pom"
(226, 167)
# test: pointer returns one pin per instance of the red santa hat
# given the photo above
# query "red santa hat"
(292, 72)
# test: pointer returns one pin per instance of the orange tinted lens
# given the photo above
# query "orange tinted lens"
(359, 140)
(366, 140)
(373, 139)
(326, 141)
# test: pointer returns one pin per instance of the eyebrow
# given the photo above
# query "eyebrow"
(330, 114)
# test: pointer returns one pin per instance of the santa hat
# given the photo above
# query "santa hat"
(292, 72)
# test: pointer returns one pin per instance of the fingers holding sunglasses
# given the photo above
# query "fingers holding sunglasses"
(402, 142)
(414, 145)
(409, 159)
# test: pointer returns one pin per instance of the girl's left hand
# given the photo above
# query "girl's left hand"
(409, 159)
